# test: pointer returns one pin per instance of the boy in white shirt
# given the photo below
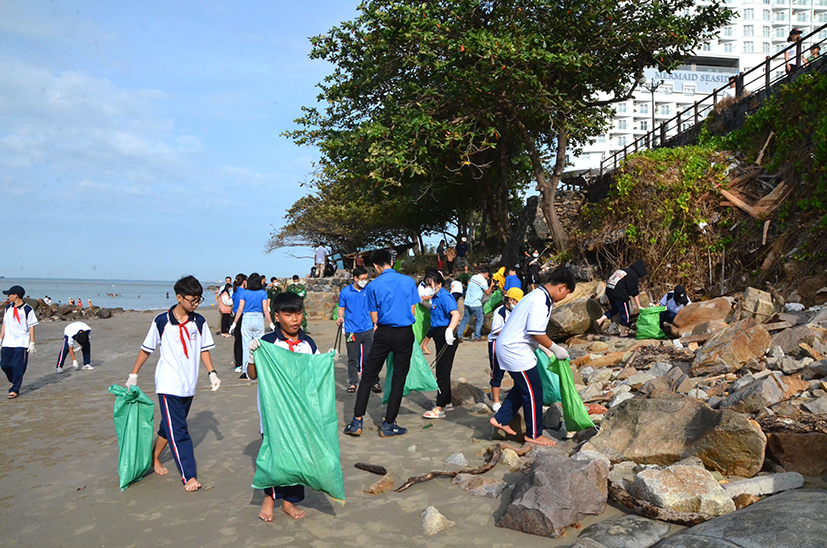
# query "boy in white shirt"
(523, 333)
(512, 297)
(185, 341)
(16, 338)
(76, 332)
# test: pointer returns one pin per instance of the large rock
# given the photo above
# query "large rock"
(622, 532)
(789, 339)
(479, 486)
(756, 395)
(801, 452)
(758, 304)
(731, 348)
(573, 318)
(765, 485)
(665, 427)
(691, 315)
(557, 492)
(794, 519)
(683, 488)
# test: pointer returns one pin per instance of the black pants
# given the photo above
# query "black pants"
(666, 317)
(237, 346)
(358, 348)
(386, 339)
(443, 366)
(226, 320)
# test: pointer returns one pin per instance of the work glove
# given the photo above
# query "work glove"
(215, 382)
(255, 343)
(232, 328)
(132, 381)
(75, 364)
(272, 326)
(559, 352)
(31, 348)
(450, 338)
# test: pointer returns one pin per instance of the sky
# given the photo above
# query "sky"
(141, 140)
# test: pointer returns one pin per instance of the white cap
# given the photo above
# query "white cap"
(464, 239)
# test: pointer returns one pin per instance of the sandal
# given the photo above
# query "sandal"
(13, 395)
(351, 389)
(433, 414)
(376, 389)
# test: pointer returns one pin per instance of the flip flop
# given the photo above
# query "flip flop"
(351, 389)
(433, 414)
(13, 395)
(376, 389)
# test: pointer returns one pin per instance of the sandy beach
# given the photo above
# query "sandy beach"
(58, 461)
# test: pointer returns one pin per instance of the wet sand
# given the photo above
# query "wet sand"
(59, 454)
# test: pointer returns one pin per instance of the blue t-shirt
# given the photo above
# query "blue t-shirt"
(512, 281)
(476, 289)
(355, 303)
(391, 295)
(237, 298)
(253, 299)
(441, 306)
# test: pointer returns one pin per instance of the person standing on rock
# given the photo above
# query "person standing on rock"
(76, 332)
(321, 260)
(391, 298)
(358, 327)
(16, 338)
(461, 262)
(522, 334)
(623, 285)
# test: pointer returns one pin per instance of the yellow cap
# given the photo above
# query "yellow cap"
(515, 293)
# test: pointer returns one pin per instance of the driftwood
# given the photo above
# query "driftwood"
(799, 424)
(764, 148)
(372, 468)
(496, 451)
(646, 509)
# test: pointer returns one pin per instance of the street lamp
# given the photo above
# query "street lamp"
(652, 87)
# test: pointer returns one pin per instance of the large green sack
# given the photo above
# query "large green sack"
(551, 382)
(420, 378)
(134, 415)
(492, 303)
(298, 415)
(648, 323)
(574, 412)
(422, 322)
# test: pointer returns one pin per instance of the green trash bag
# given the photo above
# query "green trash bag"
(492, 303)
(422, 322)
(574, 412)
(420, 378)
(298, 415)
(134, 417)
(648, 323)
(551, 382)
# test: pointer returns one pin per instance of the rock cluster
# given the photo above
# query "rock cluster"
(69, 313)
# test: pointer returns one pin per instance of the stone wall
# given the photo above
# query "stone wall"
(323, 295)
(568, 203)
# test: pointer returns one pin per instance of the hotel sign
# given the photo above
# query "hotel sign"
(703, 81)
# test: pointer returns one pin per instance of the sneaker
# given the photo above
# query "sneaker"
(354, 428)
(238, 370)
(449, 407)
(88, 367)
(389, 430)
(59, 370)
(496, 406)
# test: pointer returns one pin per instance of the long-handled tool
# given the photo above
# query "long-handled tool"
(339, 344)
(337, 341)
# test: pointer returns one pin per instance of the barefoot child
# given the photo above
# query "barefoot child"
(185, 341)
(525, 331)
(512, 297)
(287, 312)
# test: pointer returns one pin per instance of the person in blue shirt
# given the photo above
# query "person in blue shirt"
(512, 280)
(478, 286)
(354, 315)
(254, 305)
(391, 298)
(238, 287)
(444, 319)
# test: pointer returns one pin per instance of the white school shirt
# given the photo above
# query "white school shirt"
(498, 321)
(456, 287)
(17, 329)
(73, 329)
(181, 347)
(515, 345)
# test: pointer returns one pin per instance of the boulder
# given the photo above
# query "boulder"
(691, 315)
(801, 452)
(665, 427)
(757, 304)
(756, 395)
(479, 486)
(433, 522)
(730, 349)
(817, 406)
(789, 339)
(463, 393)
(622, 532)
(557, 492)
(765, 485)
(573, 318)
(682, 488)
(815, 370)
(794, 519)
(510, 459)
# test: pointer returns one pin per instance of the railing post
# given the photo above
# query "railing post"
(767, 72)
(662, 133)
(714, 97)
(615, 159)
(696, 112)
(636, 140)
(678, 124)
(739, 85)
(798, 54)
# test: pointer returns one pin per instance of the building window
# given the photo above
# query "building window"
(663, 110)
(689, 89)
(766, 31)
(748, 30)
(621, 141)
(706, 47)
(749, 47)
(621, 124)
(601, 139)
(766, 15)
(644, 108)
(667, 89)
(729, 48)
(729, 31)
(621, 108)
(749, 14)
(766, 47)
(644, 125)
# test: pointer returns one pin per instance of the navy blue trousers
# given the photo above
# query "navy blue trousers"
(13, 361)
(85, 348)
(174, 411)
(528, 392)
(496, 373)
(290, 493)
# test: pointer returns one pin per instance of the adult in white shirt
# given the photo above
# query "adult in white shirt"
(321, 260)
(478, 286)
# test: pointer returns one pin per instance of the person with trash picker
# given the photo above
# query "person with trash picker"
(444, 319)
(358, 327)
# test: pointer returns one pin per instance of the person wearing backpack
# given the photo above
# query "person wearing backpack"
(622, 285)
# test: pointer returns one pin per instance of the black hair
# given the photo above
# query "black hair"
(287, 301)
(82, 337)
(433, 276)
(273, 279)
(381, 257)
(188, 286)
(226, 289)
(561, 275)
(254, 281)
(359, 271)
(295, 276)
(239, 279)
(482, 269)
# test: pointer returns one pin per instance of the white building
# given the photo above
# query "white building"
(759, 30)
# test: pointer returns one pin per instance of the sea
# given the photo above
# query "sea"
(126, 294)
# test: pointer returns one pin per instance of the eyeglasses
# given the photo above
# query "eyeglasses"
(195, 301)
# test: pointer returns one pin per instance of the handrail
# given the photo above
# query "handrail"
(701, 108)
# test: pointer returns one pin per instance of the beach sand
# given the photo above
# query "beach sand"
(59, 454)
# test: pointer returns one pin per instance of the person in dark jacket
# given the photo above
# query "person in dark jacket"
(622, 285)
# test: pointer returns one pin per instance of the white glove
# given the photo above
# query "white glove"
(450, 338)
(559, 352)
(272, 326)
(132, 381)
(75, 364)
(255, 343)
(215, 382)
(31, 348)
(232, 328)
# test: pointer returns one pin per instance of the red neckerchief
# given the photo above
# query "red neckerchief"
(181, 332)
(16, 314)
(292, 344)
